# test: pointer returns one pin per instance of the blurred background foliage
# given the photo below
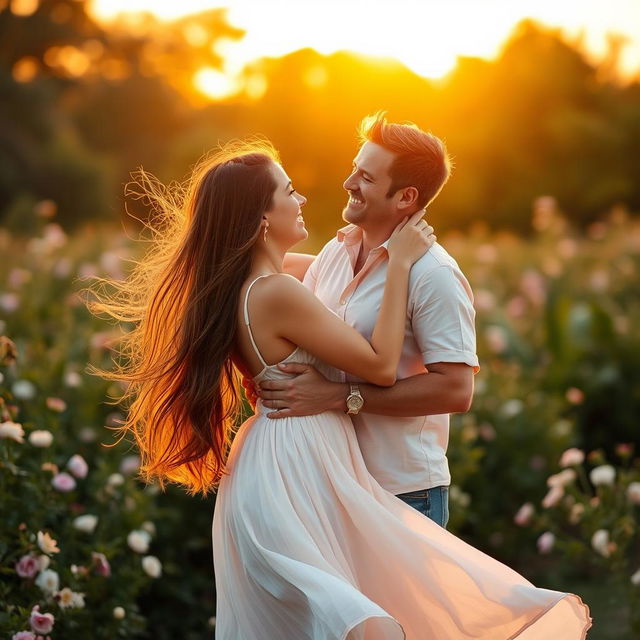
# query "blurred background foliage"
(557, 317)
(83, 105)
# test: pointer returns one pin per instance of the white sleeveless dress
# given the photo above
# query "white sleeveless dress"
(308, 546)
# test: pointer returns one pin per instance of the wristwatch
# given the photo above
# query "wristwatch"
(355, 401)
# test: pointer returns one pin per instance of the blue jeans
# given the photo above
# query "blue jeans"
(433, 503)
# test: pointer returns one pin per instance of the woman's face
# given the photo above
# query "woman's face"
(286, 224)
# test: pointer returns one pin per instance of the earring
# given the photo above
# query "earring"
(266, 228)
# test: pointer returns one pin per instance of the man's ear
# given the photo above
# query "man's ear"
(408, 198)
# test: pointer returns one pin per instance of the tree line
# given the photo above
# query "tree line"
(83, 105)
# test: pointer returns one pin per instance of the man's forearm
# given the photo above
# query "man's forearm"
(420, 395)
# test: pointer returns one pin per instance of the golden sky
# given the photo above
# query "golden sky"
(426, 35)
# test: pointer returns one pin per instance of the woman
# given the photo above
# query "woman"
(306, 544)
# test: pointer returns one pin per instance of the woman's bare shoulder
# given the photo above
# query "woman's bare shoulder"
(280, 288)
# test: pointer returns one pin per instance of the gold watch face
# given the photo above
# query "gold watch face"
(354, 403)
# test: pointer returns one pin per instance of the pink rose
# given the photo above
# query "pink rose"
(27, 566)
(63, 482)
(546, 542)
(41, 622)
(56, 404)
(23, 635)
(524, 515)
(624, 449)
(572, 457)
(553, 497)
(103, 568)
(574, 395)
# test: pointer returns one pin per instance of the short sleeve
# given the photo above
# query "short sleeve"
(443, 317)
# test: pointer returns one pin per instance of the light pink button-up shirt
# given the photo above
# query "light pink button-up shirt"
(402, 453)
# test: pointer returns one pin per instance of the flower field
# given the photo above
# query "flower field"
(545, 469)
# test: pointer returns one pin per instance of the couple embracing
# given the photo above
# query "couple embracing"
(332, 505)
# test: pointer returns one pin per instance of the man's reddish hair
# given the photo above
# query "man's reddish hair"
(421, 158)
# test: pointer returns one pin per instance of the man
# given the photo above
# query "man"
(402, 430)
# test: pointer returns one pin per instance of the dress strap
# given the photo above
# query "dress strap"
(246, 320)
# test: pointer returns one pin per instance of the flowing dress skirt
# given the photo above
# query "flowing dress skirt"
(308, 546)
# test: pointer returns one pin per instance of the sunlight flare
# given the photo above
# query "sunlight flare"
(214, 84)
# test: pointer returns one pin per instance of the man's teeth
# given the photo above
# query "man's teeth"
(354, 200)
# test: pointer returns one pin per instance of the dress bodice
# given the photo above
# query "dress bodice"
(298, 355)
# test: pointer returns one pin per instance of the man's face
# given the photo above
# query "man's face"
(368, 186)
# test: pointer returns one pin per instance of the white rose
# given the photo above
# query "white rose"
(78, 466)
(152, 566)
(119, 613)
(49, 581)
(86, 523)
(635, 578)
(12, 431)
(138, 540)
(41, 438)
(633, 492)
(78, 600)
(600, 542)
(546, 542)
(67, 598)
(23, 389)
(604, 474)
(72, 379)
(46, 543)
(512, 408)
(115, 480)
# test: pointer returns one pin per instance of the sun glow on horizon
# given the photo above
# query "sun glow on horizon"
(214, 83)
(427, 39)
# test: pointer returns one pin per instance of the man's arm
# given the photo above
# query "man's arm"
(296, 264)
(443, 326)
(446, 388)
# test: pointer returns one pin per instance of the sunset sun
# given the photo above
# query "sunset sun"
(427, 40)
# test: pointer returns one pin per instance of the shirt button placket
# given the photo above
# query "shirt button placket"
(343, 307)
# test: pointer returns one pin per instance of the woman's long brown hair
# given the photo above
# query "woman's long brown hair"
(182, 299)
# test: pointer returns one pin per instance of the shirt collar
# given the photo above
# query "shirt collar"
(352, 234)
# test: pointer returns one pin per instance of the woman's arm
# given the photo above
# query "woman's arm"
(296, 264)
(303, 320)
